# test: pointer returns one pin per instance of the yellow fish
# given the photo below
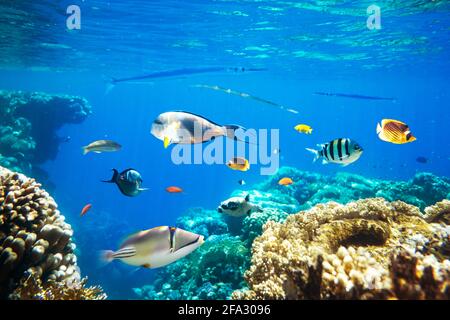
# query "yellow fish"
(303, 128)
(238, 163)
(394, 131)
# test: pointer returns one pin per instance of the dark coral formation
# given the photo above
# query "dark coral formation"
(368, 249)
(34, 238)
(28, 125)
(279, 203)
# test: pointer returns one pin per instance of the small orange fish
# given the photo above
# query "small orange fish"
(285, 181)
(238, 163)
(85, 209)
(394, 131)
(174, 189)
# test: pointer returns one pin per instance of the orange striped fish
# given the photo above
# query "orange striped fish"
(394, 131)
(174, 189)
(85, 209)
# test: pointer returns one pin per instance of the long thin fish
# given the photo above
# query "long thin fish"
(246, 95)
(353, 96)
(182, 72)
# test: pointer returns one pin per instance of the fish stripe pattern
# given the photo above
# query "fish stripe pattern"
(347, 151)
(332, 149)
(124, 253)
(339, 148)
(325, 152)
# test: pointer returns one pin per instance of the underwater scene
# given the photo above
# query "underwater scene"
(224, 149)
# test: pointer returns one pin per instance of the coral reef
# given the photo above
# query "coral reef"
(211, 272)
(34, 238)
(28, 125)
(365, 249)
(32, 288)
(310, 189)
(281, 202)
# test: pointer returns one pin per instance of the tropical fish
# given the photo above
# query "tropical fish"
(102, 146)
(241, 182)
(174, 189)
(341, 151)
(182, 73)
(303, 128)
(85, 209)
(421, 159)
(394, 131)
(238, 163)
(180, 127)
(285, 181)
(246, 95)
(353, 96)
(156, 247)
(129, 182)
(238, 206)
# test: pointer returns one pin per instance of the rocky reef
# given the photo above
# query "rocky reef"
(28, 127)
(37, 259)
(378, 221)
(368, 249)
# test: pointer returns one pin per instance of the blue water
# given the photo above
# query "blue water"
(316, 46)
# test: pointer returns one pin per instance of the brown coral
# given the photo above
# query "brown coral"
(334, 251)
(34, 239)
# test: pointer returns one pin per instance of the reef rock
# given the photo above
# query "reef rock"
(28, 125)
(366, 249)
(35, 241)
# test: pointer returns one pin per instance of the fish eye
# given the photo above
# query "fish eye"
(157, 121)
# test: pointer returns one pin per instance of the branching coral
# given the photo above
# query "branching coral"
(334, 252)
(34, 238)
(31, 288)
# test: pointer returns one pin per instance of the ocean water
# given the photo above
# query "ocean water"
(306, 47)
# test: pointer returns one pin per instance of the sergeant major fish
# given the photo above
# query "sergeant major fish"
(341, 151)
(129, 182)
(156, 247)
(180, 127)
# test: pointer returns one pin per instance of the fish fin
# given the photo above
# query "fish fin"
(147, 266)
(143, 189)
(97, 151)
(247, 197)
(114, 177)
(345, 164)
(315, 152)
(379, 128)
(85, 150)
(166, 142)
(324, 161)
(386, 121)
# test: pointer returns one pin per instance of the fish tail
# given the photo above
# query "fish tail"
(114, 177)
(378, 128)
(110, 83)
(230, 132)
(85, 150)
(315, 152)
(106, 256)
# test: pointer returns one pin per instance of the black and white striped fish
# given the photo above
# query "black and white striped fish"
(342, 151)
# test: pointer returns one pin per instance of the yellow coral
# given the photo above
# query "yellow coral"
(335, 251)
